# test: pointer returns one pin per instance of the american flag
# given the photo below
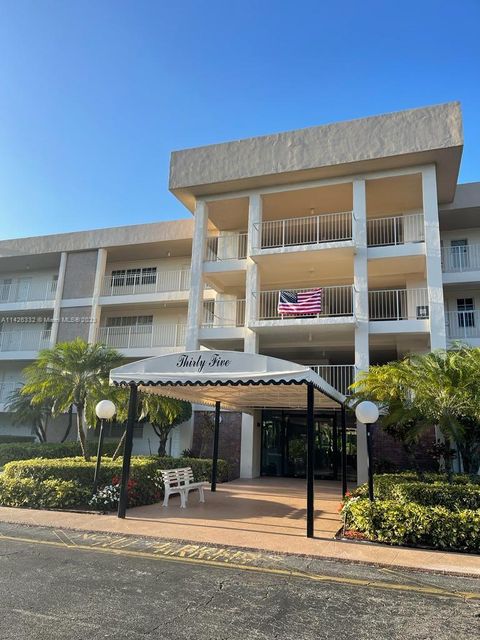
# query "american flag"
(300, 303)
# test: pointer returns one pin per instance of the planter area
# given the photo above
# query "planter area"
(66, 483)
(408, 510)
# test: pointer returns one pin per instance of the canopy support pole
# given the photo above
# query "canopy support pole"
(344, 451)
(127, 450)
(216, 434)
(310, 461)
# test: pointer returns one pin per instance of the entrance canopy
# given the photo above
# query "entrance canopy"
(239, 381)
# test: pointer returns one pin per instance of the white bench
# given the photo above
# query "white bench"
(181, 481)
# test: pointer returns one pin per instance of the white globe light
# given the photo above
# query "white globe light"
(366, 412)
(105, 409)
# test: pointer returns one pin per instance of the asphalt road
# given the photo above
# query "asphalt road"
(63, 584)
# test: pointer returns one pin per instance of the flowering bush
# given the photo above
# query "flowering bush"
(106, 498)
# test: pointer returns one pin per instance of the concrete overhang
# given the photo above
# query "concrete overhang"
(464, 211)
(175, 231)
(396, 140)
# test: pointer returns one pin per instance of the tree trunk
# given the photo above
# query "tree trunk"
(69, 426)
(116, 453)
(81, 432)
(162, 444)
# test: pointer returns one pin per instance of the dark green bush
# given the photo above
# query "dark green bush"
(145, 487)
(411, 523)
(26, 451)
(4, 439)
(47, 494)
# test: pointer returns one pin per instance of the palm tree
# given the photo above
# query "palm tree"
(161, 412)
(439, 388)
(72, 373)
(25, 412)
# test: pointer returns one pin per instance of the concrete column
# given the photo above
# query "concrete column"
(195, 302)
(57, 304)
(360, 280)
(97, 291)
(433, 259)
(251, 433)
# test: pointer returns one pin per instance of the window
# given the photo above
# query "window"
(466, 312)
(459, 251)
(136, 276)
(5, 287)
(130, 321)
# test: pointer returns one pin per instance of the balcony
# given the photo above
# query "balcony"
(29, 341)
(335, 301)
(461, 258)
(462, 325)
(6, 389)
(223, 313)
(339, 376)
(27, 290)
(160, 336)
(398, 304)
(138, 284)
(395, 230)
(226, 247)
(310, 230)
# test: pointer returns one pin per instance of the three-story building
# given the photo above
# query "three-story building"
(366, 214)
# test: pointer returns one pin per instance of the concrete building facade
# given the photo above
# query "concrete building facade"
(368, 212)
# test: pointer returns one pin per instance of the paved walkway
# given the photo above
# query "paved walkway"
(262, 514)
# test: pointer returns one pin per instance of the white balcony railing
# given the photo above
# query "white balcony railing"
(143, 336)
(398, 304)
(226, 247)
(27, 290)
(462, 324)
(463, 258)
(335, 301)
(339, 376)
(395, 230)
(6, 390)
(329, 227)
(24, 340)
(162, 282)
(223, 313)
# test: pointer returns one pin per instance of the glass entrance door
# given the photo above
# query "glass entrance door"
(284, 442)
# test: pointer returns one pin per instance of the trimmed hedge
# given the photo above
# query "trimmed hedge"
(26, 451)
(48, 494)
(145, 487)
(432, 513)
(6, 438)
(411, 523)
(145, 483)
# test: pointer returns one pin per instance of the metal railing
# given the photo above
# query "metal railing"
(329, 227)
(6, 390)
(339, 376)
(121, 285)
(461, 258)
(223, 313)
(395, 230)
(398, 304)
(143, 336)
(335, 301)
(462, 324)
(27, 291)
(24, 340)
(226, 247)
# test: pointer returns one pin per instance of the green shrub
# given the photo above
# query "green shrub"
(411, 523)
(26, 451)
(6, 438)
(47, 494)
(144, 489)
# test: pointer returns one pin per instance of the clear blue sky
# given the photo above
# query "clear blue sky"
(95, 95)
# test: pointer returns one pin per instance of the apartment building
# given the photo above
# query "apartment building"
(367, 213)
